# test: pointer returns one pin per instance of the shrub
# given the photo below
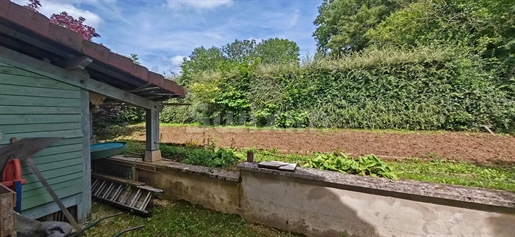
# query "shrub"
(221, 158)
(424, 89)
(364, 165)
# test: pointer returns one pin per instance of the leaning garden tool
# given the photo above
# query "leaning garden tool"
(23, 150)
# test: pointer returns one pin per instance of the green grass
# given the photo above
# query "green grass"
(431, 169)
(177, 219)
(500, 177)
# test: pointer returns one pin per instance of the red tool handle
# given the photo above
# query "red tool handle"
(12, 172)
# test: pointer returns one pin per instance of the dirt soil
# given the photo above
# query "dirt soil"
(477, 147)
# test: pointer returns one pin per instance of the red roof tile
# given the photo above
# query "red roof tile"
(40, 24)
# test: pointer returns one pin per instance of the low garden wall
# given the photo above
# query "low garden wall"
(323, 203)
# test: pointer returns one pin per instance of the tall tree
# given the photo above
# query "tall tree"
(342, 24)
(483, 26)
(239, 52)
(201, 59)
(65, 20)
(277, 51)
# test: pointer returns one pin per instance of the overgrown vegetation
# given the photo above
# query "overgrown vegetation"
(177, 219)
(429, 88)
(386, 64)
(193, 154)
(364, 165)
(430, 169)
(435, 170)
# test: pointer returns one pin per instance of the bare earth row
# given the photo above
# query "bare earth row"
(475, 147)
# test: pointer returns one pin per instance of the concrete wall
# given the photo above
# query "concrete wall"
(317, 210)
(320, 203)
(211, 193)
(194, 184)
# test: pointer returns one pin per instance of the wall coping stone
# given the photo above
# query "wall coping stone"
(223, 174)
(410, 187)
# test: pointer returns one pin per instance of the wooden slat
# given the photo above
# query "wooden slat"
(38, 101)
(53, 174)
(58, 165)
(52, 193)
(37, 92)
(38, 127)
(67, 141)
(50, 207)
(37, 119)
(52, 181)
(63, 133)
(24, 148)
(57, 150)
(35, 110)
(58, 158)
(67, 184)
(43, 198)
(10, 70)
(63, 142)
(37, 82)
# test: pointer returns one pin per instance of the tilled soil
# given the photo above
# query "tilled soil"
(476, 147)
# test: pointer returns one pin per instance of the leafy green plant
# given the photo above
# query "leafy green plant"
(364, 165)
(205, 156)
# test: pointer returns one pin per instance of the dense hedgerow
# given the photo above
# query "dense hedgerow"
(421, 89)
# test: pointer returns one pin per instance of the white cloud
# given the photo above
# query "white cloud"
(294, 18)
(50, 7)
(177, 60)
(198, 4)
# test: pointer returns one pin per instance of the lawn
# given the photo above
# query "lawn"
(177, 219)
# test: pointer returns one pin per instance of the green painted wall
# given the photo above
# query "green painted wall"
(32, 105)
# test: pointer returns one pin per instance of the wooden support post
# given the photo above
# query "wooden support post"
(250, 156)
(84, 208)
(152, 153)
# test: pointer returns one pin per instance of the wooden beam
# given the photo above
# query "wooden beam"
(77, 63)
(144, 89)
(84, 208)
(79, 79)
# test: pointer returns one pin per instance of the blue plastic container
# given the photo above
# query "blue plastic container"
(107, 149)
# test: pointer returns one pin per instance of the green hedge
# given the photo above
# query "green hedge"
(422, 89)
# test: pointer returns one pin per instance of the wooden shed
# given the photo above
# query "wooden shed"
(48, 74)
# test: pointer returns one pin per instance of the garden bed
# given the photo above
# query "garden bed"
(481, 148)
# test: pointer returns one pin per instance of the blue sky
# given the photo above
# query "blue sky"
(163, 32)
